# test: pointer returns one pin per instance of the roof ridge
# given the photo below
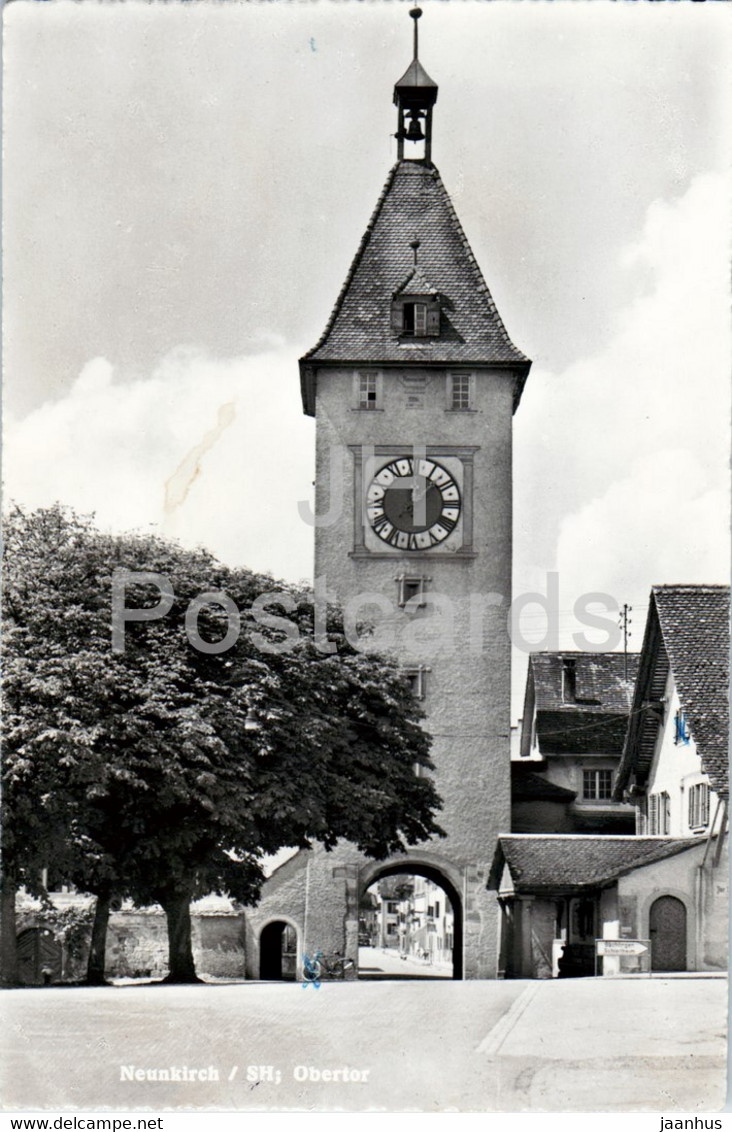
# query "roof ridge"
(355, 261)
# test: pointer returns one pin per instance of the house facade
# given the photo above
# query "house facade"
(575, 717)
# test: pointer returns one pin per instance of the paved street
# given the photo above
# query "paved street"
(616, 1045)
(384, 963)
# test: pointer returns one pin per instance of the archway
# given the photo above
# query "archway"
(278, 951)
(410, 924)
(667, 929)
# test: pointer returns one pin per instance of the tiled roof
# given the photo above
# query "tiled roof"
(590, 717)
(416, 283)
(527, 784)
(414, 204)
(543, 863)
(695, 626)
(600, 680)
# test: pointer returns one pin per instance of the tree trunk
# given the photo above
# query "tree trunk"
(181, 968)
(8, 946)
(98, 949)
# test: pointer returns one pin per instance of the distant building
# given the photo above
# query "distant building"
(574, 723)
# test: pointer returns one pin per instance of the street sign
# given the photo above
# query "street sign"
(622, 946)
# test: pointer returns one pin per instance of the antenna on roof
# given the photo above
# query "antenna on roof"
(623, 622)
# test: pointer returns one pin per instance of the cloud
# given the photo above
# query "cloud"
(622, 459)
(226, 439)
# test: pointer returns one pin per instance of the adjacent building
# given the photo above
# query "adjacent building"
(573, 729)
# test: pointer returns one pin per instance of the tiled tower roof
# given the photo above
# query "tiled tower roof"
(414, 205)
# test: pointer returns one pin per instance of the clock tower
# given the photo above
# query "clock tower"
(413, 385)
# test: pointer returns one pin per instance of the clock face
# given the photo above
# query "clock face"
(413, 504)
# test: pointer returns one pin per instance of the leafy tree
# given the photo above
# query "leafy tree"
(163, 772)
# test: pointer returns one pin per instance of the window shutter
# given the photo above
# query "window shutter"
(397, 316)
(653, 814)
(420, 319)
(433, 319)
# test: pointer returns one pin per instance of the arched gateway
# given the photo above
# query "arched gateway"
(378, 871)
(413, 386)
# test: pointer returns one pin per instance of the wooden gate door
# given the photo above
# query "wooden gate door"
(668, 934)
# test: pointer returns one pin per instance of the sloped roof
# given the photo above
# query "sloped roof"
(414, 204)
(595, 717)
(543, 863)
(600, 680)
(687, 631)
(527, 784)
(416, 283)
(415, 77)
(695, 626)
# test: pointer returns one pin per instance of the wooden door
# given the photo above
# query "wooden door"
(667, 928)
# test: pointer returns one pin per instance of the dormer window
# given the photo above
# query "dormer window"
(416, 317)
(415, 307)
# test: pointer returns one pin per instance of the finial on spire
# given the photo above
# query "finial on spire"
(415, 13)
(415, 94)
(414, 245)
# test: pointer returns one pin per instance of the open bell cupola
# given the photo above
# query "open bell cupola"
(414, 96)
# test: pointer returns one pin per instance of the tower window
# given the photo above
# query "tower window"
(460, 392)
(369, 390)
(416, 682)
(411, 592)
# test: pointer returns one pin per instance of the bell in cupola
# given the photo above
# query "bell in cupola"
(414, 130)
(415, 94)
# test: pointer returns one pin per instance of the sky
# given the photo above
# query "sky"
(185, 186)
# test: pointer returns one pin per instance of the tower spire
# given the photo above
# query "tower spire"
(415, 94)
(415, 13)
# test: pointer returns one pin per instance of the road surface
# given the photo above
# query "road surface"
(565, 1045)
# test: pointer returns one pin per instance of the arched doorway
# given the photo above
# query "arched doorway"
(40, 958)
(410, 924)
(667, 929)
(278, 951)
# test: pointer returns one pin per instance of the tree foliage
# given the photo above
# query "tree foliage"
(163, 772)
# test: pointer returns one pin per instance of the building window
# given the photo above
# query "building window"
(597, 785)
(411, 591)
(658, 820)
(681, 728)
(699, 806)
(641, 817)
(415, 678)
(460, 391)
